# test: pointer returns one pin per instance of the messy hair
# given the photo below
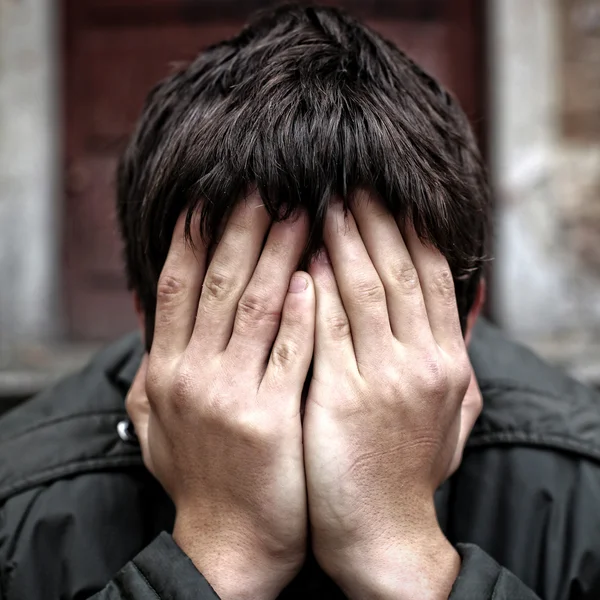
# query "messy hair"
(304, 104)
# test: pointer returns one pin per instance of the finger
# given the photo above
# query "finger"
(138, 408)
(437, 285)
(293, 348)
(392, 260)
(259, 309)
(228, 274)
(334, 350)
(178, 290)
(360, 287)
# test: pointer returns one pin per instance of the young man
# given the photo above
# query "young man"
(304, 217)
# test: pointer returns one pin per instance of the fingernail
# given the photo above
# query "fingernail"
(298, 284)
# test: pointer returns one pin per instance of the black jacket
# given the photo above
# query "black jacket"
(79, 514)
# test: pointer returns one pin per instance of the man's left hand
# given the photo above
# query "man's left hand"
(383, 425)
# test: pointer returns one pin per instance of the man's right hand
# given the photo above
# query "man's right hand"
(218, 410)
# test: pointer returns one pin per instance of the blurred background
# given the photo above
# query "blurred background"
(73, 77)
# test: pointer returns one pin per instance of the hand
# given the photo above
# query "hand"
(218, 416)
(470, 409)
(383, 415)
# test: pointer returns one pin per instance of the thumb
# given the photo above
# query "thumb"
(138, 409)
(292, 351)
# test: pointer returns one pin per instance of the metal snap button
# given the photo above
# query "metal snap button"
(127, 432)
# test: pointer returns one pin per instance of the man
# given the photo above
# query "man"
(304, 217)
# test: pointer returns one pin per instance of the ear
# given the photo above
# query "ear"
(140, 315)
(475, 309)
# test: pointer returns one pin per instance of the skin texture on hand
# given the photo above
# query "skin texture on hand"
(383, 415)
(217, 404)
(391, 402)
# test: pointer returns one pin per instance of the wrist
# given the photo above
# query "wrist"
(424, 568)
(232, 567)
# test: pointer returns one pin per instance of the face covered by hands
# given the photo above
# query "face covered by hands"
(390, 404)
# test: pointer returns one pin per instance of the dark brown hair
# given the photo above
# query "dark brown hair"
(305, 103)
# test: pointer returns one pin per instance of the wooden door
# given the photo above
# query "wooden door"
(116, 50)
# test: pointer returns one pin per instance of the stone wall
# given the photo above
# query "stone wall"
(29, 170)
(546, 165)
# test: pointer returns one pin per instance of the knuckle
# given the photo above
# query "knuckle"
(218, 287)
(215, 402)
(433, 375)
(170, 287)
(442, 284)
(462, 372)
(256, 308)
(182, 391)
(283, 354)
(391, 382)
(370, 292)
(154, 383)
(254, 428)
(338, 327)
(405, 275)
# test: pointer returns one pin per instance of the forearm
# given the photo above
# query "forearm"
(234, 570)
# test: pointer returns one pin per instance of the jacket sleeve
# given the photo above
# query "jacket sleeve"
(161, 571)
(482, 578)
